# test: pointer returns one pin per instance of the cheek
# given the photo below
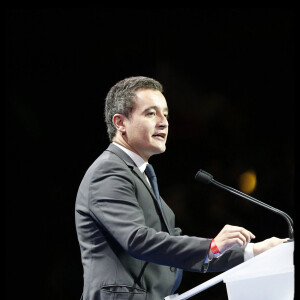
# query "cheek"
(143, 130)
(139, 133)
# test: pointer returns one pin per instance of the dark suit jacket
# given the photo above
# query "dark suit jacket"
(128, 249)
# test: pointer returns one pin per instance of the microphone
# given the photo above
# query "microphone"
(207, 178)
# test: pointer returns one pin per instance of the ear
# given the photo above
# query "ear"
(119, 123)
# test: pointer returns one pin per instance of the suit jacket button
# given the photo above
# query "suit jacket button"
(173, 269)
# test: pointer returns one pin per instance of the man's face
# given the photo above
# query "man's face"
(147, 127)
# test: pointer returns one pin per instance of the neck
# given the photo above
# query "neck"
(122, 141)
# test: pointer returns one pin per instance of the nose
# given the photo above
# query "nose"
(163, 122)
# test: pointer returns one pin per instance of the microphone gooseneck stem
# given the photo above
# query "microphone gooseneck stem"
(241, 194)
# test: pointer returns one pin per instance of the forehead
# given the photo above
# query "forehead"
(148, 98)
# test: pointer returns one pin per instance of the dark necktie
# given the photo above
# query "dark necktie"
(153, 181)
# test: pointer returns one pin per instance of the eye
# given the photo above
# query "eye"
(150, 114)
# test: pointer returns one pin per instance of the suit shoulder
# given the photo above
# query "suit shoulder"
(109, 159)
(108, 164)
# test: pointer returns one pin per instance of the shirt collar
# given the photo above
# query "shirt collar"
(140, 163)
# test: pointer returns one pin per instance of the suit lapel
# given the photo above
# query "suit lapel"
(138, 173)
(130, 163)
(141, 176)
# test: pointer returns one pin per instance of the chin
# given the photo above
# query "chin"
(156, 149)
(160, 150)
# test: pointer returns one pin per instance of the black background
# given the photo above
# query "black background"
(229, 81)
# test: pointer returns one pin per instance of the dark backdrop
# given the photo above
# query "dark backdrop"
(229, 82)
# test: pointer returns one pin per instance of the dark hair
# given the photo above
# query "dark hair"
(121, 98)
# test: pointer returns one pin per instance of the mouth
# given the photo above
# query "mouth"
(161, 136)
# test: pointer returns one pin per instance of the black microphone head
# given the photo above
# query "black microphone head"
(203, 177)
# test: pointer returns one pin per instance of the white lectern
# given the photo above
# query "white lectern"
(268, 276)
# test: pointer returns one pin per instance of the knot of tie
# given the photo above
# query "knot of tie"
(150, 171)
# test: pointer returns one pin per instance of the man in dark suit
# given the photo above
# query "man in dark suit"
(129, 244)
